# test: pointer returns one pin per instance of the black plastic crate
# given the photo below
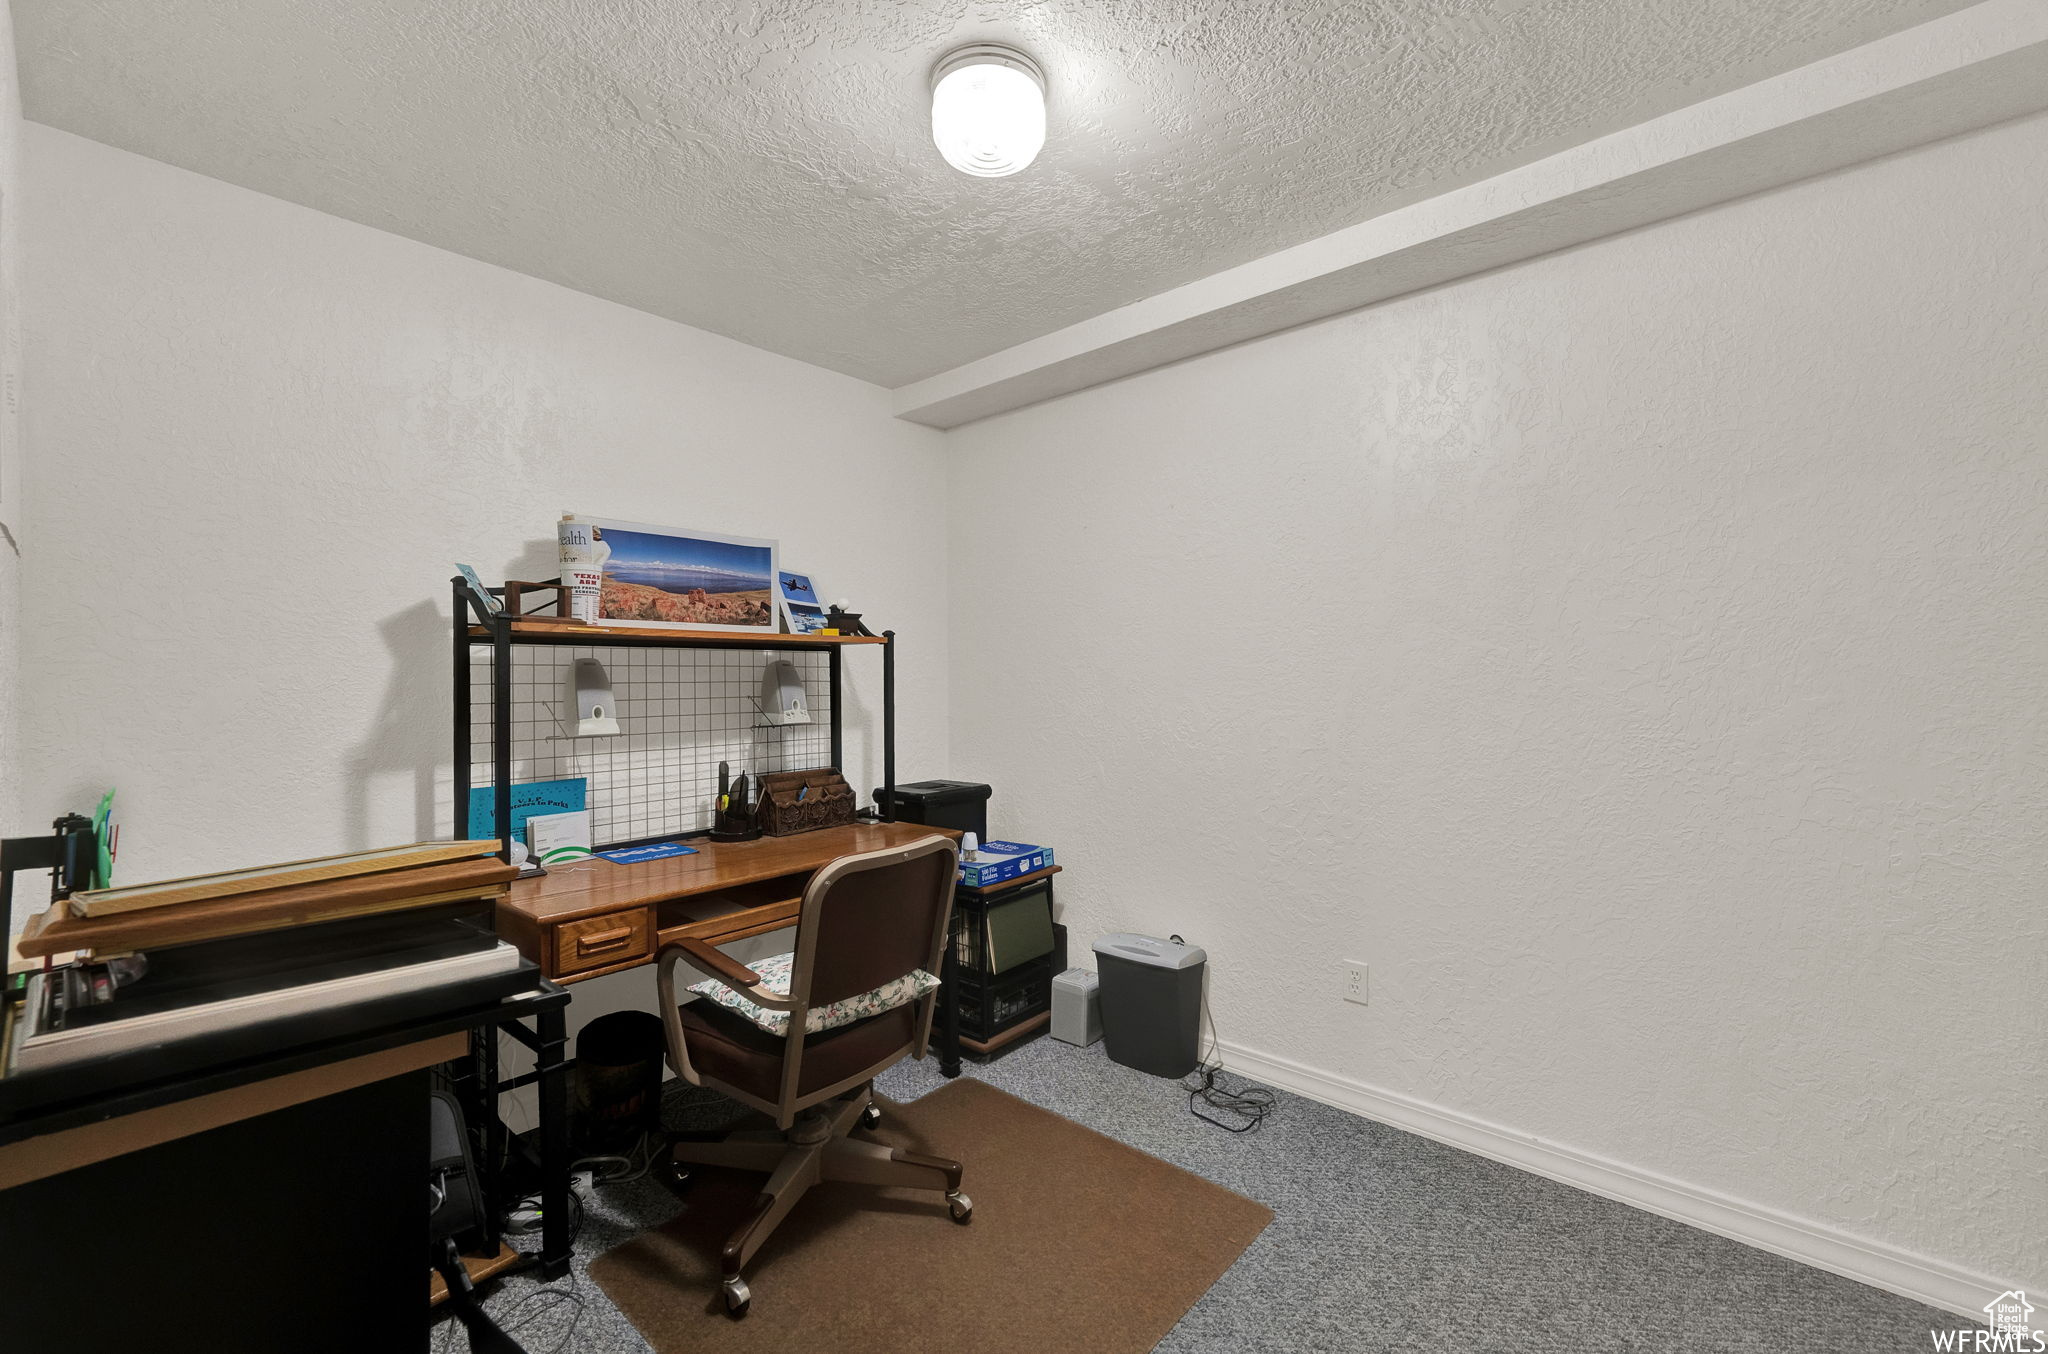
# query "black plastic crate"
(990, 1005)
(970, 921)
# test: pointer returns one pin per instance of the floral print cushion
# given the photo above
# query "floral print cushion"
(774, 973)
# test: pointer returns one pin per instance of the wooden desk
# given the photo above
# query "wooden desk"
(592, 918)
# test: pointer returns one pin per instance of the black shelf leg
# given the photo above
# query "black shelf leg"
(553, 1055)
(476, 1083)
(838, 736)
(501, 732)
(949, 1016)
(460, 826)
(889, 738)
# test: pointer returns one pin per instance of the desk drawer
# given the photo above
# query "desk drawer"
(598, 942)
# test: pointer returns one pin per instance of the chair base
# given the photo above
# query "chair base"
(818, 1147)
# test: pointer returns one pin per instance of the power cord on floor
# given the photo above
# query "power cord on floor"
(619, 1169)
(526, 1313)
(1253, 1104)
(543, 1302)
(538, 1304)
(536, 1307)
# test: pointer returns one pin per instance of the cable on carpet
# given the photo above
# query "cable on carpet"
(542, 1303)
(542, 1300)
(620, 1169)
(545, 1301)
(1252, 1104)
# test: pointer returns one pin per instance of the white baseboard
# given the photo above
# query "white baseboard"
(1922, 1278)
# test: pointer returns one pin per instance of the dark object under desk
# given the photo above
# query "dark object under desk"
(272, 1200)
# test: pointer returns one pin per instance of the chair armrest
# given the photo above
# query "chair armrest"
(714, 961)
(728, 970)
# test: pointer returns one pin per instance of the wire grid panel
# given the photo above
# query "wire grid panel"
(681, 712)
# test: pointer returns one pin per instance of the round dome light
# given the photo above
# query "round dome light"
(988, 110)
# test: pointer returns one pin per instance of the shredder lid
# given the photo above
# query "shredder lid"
(1150, 950)
(943, 791)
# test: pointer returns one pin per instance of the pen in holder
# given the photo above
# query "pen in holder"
(734, 820)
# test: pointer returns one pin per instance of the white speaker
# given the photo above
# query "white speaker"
(588, 694)
(782, 694)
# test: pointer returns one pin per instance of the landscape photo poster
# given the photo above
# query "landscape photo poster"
(680, 579)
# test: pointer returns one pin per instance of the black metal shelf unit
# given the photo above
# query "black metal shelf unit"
(477, 623)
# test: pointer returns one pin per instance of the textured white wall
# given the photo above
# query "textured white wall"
(11, 458)
(270, 433)
(1635, 655)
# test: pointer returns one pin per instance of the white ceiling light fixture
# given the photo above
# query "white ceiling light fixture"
(988, 109)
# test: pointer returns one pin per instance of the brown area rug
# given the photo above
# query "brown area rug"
(1078, 1243)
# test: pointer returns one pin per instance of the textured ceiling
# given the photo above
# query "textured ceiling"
(764, 169)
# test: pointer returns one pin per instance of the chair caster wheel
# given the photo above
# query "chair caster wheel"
(676, 1176)
(961, 1207)
(871, 1118)
(738, 1297)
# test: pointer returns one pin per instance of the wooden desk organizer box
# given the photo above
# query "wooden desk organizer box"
(804, 801)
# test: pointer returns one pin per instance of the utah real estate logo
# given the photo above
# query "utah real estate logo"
(2008, 1325)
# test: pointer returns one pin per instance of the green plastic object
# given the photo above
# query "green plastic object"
(104, 832)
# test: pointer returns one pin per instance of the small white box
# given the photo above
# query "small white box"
(1076, 1012)
(555, 837)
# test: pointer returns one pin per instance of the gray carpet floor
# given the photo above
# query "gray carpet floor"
(1381, 1241)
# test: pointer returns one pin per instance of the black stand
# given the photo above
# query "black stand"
(485, 1335)
(478, 1088)
(298, 1229)
(68, 853)
(949, 1016)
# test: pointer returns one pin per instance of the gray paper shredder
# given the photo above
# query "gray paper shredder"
(1151, 996)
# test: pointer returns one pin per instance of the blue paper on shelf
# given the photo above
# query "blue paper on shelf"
(530, 798)
(1004, 860)
(634, 855)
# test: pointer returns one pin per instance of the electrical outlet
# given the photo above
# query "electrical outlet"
(1356, 987)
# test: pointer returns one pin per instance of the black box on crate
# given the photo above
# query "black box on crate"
(957, 804)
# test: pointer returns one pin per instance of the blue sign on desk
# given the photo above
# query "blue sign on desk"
(634, 855)
(530, 799)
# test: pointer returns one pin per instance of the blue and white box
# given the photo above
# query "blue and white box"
(1001, 861)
